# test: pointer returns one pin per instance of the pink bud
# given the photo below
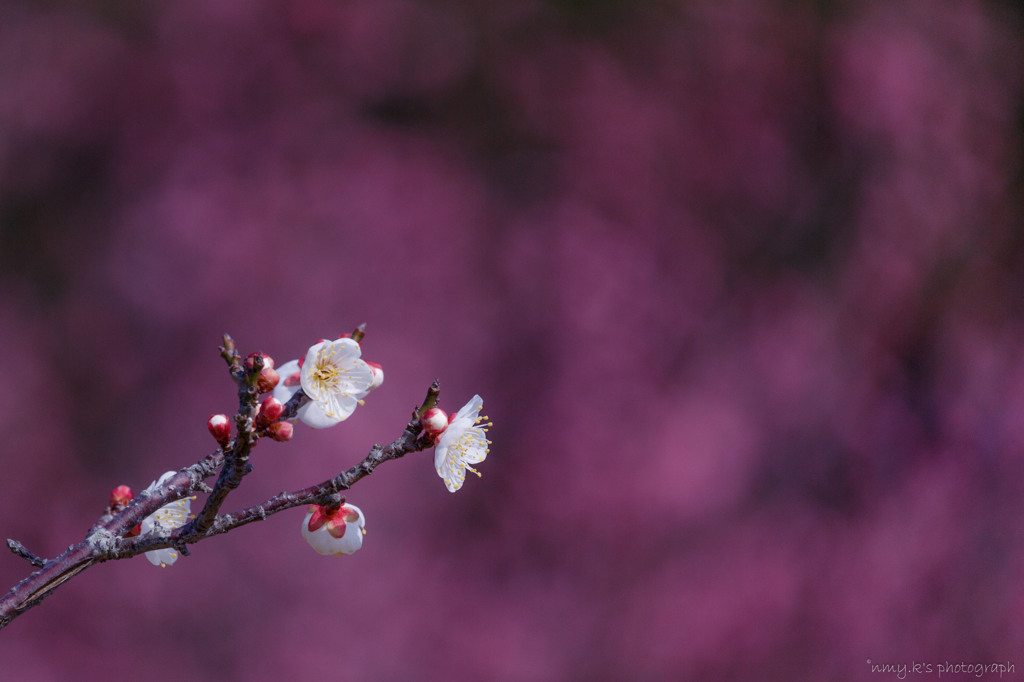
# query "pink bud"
(434, 421)
(280, 431)
(120, 497)
(268, 380)
(268, 362)
(378, 375)
(271, 410)
(220, 428)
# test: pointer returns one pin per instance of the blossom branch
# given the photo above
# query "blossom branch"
(333, 382)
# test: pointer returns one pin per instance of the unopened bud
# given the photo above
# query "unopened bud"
(378, 375)
(120, 497)
(268, 380)
(280, 431)
(250, 361)
(220, 428)
(271, 410)
(434, 421)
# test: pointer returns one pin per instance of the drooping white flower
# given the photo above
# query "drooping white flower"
(334, 376)
(334, 533)
(463, 443)
(170, 516)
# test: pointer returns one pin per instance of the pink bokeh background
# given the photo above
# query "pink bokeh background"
(741, 283)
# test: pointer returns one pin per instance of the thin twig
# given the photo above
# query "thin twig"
(23, 552)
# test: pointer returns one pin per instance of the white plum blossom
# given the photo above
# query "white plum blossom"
(463, 443)
(332, 376)
(334, 533)
(169, 516)
(335, 378)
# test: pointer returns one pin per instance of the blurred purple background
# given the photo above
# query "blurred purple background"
(741, 284)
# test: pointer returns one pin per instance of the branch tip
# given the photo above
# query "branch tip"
(431, 400)
(24, 553)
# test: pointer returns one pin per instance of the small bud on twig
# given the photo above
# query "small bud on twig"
(281, 431)
(270, 411)
(268, 380)
(120, 497)
(220, 428)
(434, 421)
(262, 359)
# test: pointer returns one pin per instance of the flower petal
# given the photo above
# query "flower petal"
(469, 412)
(285, 389)
(313, 414)
(162, 557)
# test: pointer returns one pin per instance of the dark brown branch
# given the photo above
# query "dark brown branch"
(291, 408)
(33, 589)
(236, 454)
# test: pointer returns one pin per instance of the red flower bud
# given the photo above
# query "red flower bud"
(271, 410)
(280, 431)
(120, 497)
(268, 362)
(220, 428)
(268, 380)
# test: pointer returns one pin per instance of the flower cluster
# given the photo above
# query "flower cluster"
(335, 379)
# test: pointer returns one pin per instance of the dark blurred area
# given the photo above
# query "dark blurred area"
(740, 282)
